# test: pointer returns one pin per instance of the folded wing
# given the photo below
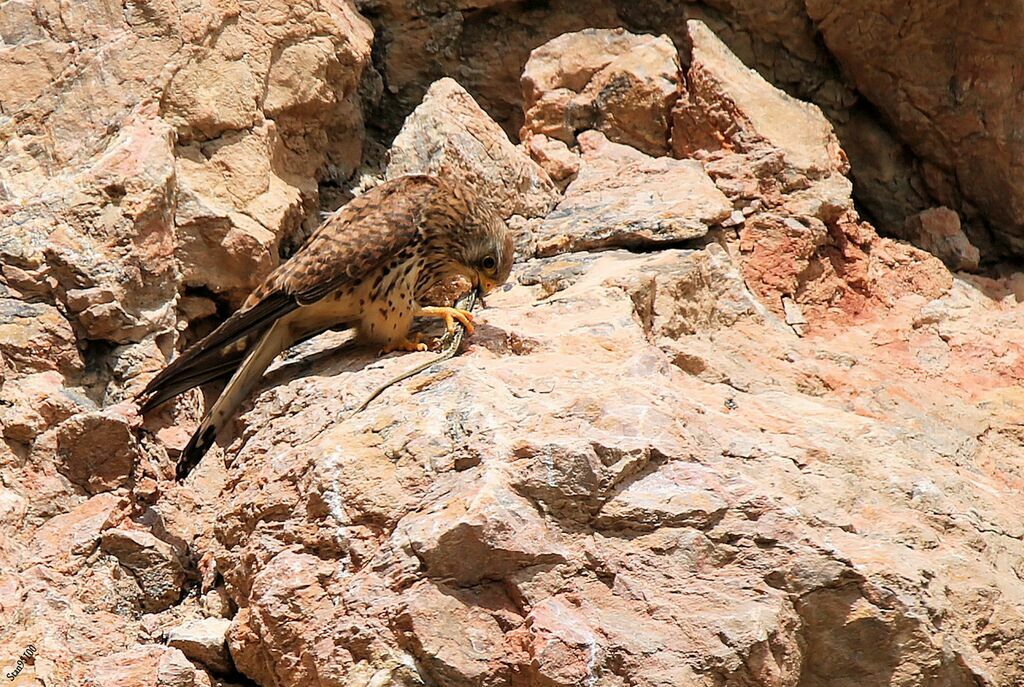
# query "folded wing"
(348, 246)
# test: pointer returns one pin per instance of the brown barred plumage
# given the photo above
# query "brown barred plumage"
(365, 266)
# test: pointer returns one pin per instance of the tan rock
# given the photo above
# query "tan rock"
(154, 564)
(298, 79)
(104, 192)
(448, 134)
(198, 102)
(32, 404)
(622, 197)
(938, 232)
(229, 194)
(34, 337)
(97, 450)
(203, 641)
(725, 104)
(618, 83)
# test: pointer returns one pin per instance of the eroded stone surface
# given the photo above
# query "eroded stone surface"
(952, 110)
(449, 135)
(622, 197)
(782, 453)
(613, 81)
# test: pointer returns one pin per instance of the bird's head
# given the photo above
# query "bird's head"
(488, 251)
(485, 250)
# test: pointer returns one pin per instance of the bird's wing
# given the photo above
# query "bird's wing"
(358, 239)
(350, 245)
(218, 354)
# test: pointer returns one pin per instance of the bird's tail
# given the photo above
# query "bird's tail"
(256, 361)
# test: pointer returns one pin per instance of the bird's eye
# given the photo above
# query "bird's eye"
(489, 263)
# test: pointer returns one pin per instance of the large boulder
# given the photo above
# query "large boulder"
(620, 84)
(449, 135)
(622, 197)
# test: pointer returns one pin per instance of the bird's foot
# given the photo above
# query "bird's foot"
(449, 315)
(414, 344)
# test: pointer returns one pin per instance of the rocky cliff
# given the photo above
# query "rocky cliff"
(747, 413)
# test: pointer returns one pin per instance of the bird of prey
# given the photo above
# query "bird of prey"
(364, 267)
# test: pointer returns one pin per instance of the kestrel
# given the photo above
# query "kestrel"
(365, 267)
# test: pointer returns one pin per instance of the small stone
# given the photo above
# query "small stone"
(154, 564)
(938, 231)
(794, 315)
(203, 641)
(554, 156)
(146, 666)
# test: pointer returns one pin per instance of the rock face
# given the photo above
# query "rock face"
(952, 106)
(946, 137)
(716, 431)
(618, 83)
(622, 197)
(449, 135)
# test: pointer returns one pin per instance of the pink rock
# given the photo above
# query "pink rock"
(565, 650)
(482, 531)
(97, 450)
(155, 666)
(455, 635)
(636, 471)
(66, 540)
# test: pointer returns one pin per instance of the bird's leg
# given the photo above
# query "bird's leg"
(405, 344)
(449, 315)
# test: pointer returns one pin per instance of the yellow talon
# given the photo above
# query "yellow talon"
(449, 315)
(412, 345)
